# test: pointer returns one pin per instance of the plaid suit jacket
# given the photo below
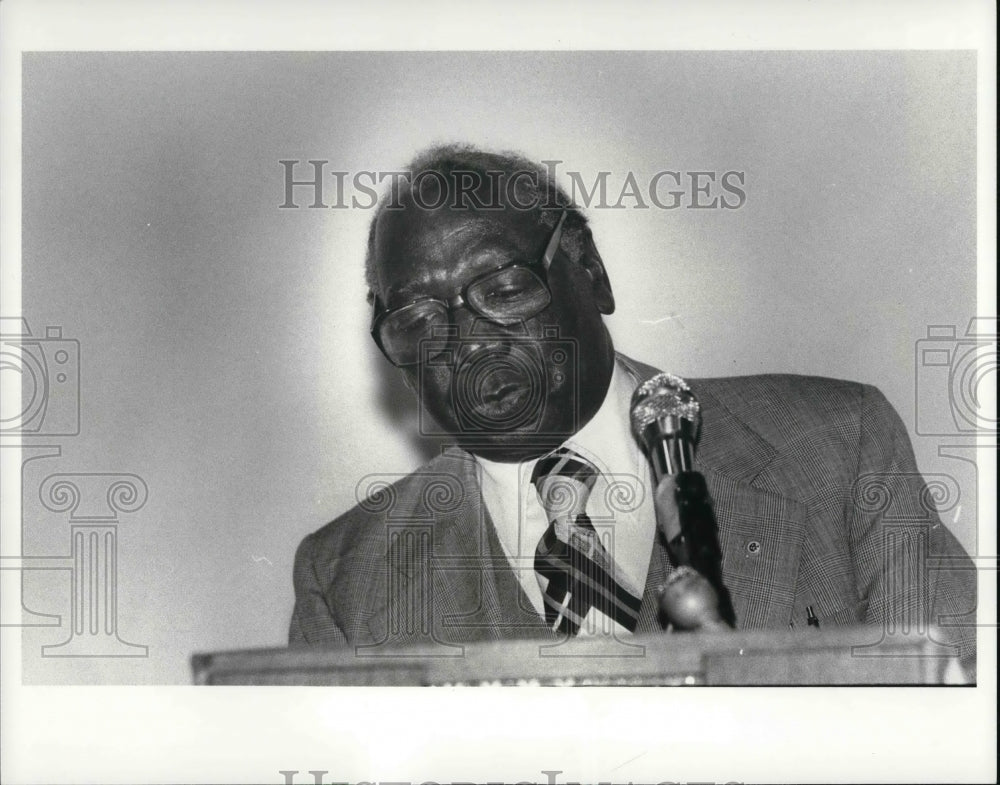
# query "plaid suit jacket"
(816, 494)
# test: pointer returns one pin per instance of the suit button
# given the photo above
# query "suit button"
(753, 547)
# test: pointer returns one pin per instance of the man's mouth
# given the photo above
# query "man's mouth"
(498, 400)
(497, 396)
(502, 392)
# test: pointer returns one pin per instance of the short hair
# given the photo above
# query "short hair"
(538, 189)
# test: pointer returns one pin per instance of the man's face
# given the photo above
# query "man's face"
(511, 392)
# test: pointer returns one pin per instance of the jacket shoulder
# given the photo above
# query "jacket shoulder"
(784, 407)
(779, 385)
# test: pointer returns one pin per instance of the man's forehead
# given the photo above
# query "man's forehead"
(414, 233)
(416, 221)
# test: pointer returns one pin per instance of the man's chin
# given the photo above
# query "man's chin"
(510, 447)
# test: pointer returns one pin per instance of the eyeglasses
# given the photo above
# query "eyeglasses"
(507, 295)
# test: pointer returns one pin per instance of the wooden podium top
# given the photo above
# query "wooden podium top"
(837, 656)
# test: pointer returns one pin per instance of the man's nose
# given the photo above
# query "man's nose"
(478, 332)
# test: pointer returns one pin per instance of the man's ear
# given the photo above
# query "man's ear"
(593, 265)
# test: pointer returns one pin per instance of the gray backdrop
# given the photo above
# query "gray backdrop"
(224, 354)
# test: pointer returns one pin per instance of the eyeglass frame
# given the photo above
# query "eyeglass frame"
(459, 300)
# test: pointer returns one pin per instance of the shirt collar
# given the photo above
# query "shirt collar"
(607, 438)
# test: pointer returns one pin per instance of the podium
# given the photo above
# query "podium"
(836, 656)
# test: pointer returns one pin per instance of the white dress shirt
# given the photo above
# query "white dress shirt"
(621, 502)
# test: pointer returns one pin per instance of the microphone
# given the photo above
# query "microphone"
(665, 419)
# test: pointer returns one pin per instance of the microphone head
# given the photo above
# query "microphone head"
(664, 397)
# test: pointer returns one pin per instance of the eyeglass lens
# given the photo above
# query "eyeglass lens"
(506, 296)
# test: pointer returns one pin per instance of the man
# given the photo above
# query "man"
(488, 293)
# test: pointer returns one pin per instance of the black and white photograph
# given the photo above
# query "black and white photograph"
(351, 353)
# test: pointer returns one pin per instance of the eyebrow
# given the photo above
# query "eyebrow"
(407, 291)
(416, 289)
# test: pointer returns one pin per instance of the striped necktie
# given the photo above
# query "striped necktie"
(574, 569)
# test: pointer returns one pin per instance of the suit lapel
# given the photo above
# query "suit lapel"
(760, 531)
(761, 538)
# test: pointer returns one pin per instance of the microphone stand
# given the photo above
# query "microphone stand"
(696, 597)
(697, 546)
